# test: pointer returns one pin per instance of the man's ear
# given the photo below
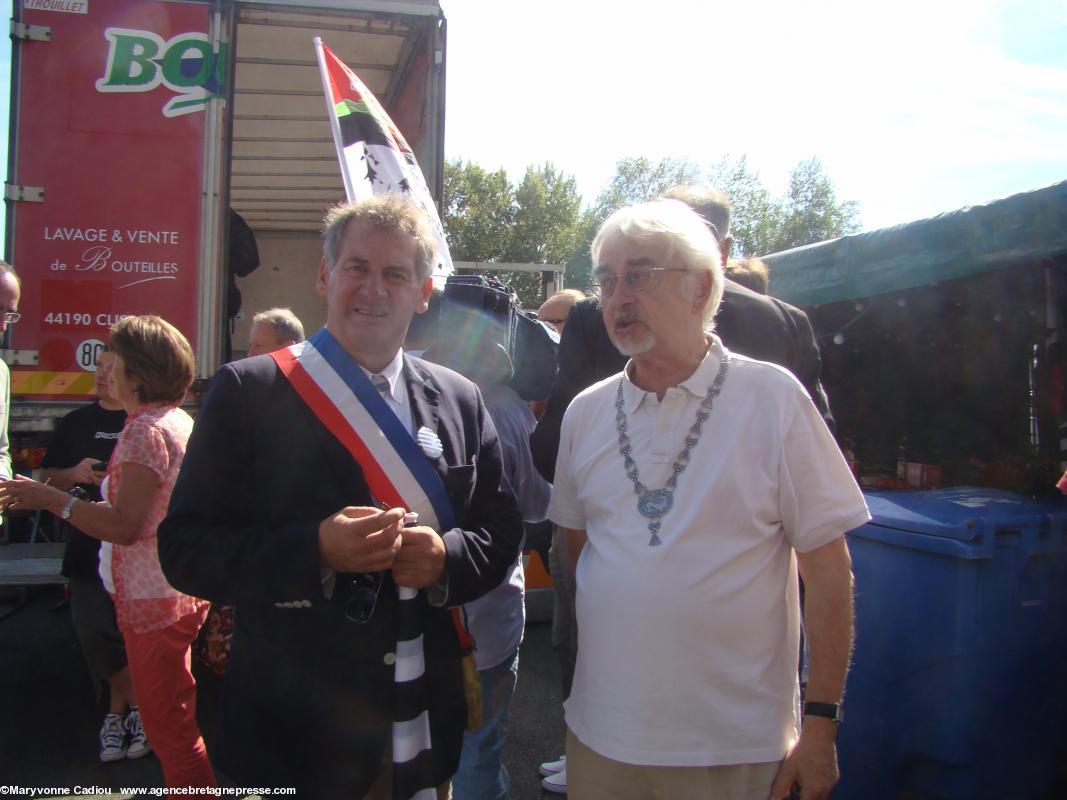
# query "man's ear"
(701, 289)
(726, 248)
(324, 276)
(424, 300)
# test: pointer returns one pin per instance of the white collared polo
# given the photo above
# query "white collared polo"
(687, 652)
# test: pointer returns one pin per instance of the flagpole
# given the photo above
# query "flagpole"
(335, 125)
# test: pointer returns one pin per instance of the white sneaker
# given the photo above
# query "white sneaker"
(556, 784)
(112, 739)
(139, 745)
(552, 767)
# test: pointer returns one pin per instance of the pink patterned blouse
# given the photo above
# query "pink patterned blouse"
(154, 437)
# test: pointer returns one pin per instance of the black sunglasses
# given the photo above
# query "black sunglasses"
(363, 596)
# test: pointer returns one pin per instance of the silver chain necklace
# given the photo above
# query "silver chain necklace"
(655, 503)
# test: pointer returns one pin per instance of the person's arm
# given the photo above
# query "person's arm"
(64, 478)
(827, 575)
(119, 524)
(574, 541)
(514, 423)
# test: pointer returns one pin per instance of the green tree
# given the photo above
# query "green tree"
(638, 180)
(579, 262)
(756, 219)
(811, 211)
(478, 212)
(547, 226)
(487, 219)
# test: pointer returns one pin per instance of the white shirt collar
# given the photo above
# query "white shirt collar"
(696, 384)
(391, 373)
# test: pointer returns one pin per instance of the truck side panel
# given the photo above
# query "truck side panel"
(110, 126)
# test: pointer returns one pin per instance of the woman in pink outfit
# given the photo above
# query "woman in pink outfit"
(152, 369)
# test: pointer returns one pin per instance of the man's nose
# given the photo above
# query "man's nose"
(623, 292)
(373, 284)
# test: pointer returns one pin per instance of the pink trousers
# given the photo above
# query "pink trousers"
(160, 669)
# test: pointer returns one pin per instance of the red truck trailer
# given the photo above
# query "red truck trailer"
(137, 124)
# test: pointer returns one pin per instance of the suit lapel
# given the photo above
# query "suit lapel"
(424, 396)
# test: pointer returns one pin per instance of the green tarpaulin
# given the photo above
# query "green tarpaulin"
(1020, 229)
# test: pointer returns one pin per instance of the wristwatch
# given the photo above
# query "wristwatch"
(834, 712)
(65, 513)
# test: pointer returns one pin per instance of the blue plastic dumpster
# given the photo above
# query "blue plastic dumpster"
(959, 681)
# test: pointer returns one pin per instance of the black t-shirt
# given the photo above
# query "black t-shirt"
(87, 432)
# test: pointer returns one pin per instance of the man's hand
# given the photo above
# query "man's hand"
(812, 763)
(82, 472)
(360, 539)
(421, 560)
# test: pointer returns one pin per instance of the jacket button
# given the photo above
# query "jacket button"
(389, 659)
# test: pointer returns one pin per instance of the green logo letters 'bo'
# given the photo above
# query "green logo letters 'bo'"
(139, 61)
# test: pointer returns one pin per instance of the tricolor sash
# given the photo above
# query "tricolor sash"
(341, 395)
(396, 471)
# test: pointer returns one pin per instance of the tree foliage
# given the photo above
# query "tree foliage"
(478, 212)
(488, 219)
(811, 211)
(638, 180)
(541, 220)
(756, 217)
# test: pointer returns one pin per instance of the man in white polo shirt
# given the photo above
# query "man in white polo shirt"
(693, 485)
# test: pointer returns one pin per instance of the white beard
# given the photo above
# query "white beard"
(635, 345)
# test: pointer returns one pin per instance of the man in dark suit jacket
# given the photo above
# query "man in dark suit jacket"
(270, 509)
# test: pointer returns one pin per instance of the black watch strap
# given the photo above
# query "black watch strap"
(832, 711)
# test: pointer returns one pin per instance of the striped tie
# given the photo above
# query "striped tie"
(381, 384)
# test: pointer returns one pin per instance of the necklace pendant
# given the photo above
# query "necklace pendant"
(655, 503)
(653, 528)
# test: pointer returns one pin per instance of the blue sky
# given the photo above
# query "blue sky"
(914, 107)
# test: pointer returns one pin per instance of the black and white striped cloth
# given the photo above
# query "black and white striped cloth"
(413, 777)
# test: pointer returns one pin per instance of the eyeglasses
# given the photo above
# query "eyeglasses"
(363, 596)
(637, 279)
(11, 317)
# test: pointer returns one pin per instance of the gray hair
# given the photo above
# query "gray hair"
(711, 204)
(285, 322)
(684, 232)
(7, 269)
(390, 212)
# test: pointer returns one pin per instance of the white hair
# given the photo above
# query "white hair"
(685, 234)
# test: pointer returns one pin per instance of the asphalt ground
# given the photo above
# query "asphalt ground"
(51, 714)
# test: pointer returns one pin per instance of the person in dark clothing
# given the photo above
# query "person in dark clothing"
(242, 259)
(84, 437)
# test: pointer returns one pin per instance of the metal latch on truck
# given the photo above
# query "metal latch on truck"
(34, 33)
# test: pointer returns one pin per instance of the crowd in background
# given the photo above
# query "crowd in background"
(112, 467)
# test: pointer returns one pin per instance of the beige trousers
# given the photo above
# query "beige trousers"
(591, 776)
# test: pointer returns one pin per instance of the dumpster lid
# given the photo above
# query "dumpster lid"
(962, 512)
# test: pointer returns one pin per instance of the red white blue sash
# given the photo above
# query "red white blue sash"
(341, 395)
(397, 472)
